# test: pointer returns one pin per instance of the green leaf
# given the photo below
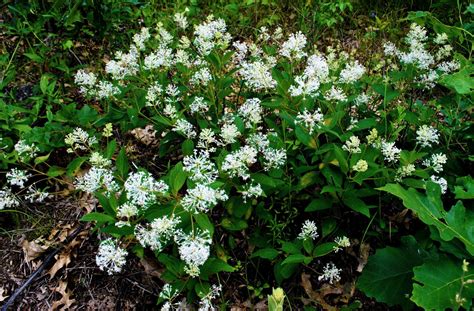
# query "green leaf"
(111, 146)
(324, 249)
(429, 209)
(233, 224)
(318, 205)
(98, 217)
(305, 138)
(297, 258)
(74, 166)
(55, 171)
(204, 223)
(357, 205)
(187, 147)
(387, 276)
(177, 178)
(213, 266)
(466, 190)
(440, 281)
(266, 253)
(462, 81)
(122, 163)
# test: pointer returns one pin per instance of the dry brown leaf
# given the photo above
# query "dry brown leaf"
(3, 291)
(363, 256)
(34, 249)
(146, 136)
(62, 260)
(318, 296)
(151, 268)
(65, 301)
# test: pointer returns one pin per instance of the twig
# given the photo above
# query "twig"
(41, 268)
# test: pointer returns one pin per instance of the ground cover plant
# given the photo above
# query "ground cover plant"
(247, 164)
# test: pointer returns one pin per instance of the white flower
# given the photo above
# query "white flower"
(441, 38)
(330, 273)
(124, 64)
(158, 233)
(110, 257)
(352, 145)
(274, 158)
(389, 151)
(441, 182)
(194, 250)
(184, 127)
(436, 162)
(25, 151)
(251, 111)
(316, 68)
(16, 177)
(309, 230)
(79, 139)
(405, 171)
(390, 49)
(181, 20)
(200, 167)
(305, 86)
(140, 38)
(171, 112)
(153, 94)
(241, 49)
(7, 199)
(202, 198)
(127, 210)
(341, 243)
(310, 121)
(97, 160)
(293, 47)
(237, 162)
(336, 94)
(448, 66)
(360, 166)
(198, 105)
(95, 179)
(252, 191)
(208, 140)
(229, 132)
(206, 302)
(210, 34)
(142, 188)
(162, 57)
(257, 75)
(36, 195)
(361, 99)
(427, 80)
(351, 73)
(86, 82)
(201, 77)
(258, 141)
(427, 135)
(106, 89)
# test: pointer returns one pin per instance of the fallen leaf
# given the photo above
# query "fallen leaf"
(65, 301)
(34, 249)
(62, 260)
(151, 268)
(146, 136)
(363, 256)
(318, 296)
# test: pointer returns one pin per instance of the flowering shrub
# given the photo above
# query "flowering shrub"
(266, 139)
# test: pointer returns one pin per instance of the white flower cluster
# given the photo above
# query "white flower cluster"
(316, 72)
(310, 121)
(330, 273)
(427, 135)
(390, 152)
(206, 302)
(111, 257)
(157, 233)
(142, 188)
(341, 242)
(25, 151)
(360, 166)
(352, 145)
(8, 198)
(194, 249)
(309, 230)
(211, 34)
(251, 111)
(35, 195)
(201, 77)
(198, 105)
(125, 64)
(436, 162)
(16, 177)
(79, 139)
(236, 163)
(405, 171)
(441, 182)
(293, 47)
(351, 73)
(202, 198)
(185, 128)
(257, 75)
(97, 178)
(200, 167)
